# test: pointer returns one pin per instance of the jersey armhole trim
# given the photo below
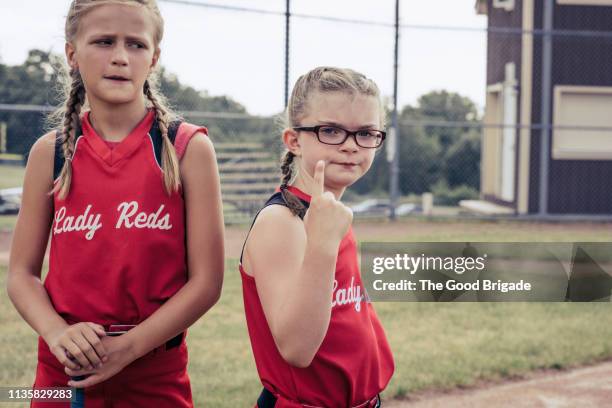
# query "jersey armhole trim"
(183, 135)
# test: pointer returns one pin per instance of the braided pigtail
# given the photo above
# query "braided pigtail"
(293, 203)
(70, 123)
(170, 163)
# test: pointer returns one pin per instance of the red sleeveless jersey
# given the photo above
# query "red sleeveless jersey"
(354, 362)
(117, 239)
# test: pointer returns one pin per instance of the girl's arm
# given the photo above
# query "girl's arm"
(294, 263)
(24, 285)
(205, 263)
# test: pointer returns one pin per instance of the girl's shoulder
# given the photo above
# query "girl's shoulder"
(276, 213)
(41, 159)
(46, 142)
(44, 148)
(184, 132)
(276, 232)
(277, 225)
(197, 158)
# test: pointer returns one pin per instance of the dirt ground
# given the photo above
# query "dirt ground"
(585, 387)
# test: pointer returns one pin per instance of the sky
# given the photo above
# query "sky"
(242, 54)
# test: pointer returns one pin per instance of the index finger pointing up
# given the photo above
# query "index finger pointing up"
(319, 178)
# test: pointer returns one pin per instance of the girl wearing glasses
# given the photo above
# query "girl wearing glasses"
(316, 339)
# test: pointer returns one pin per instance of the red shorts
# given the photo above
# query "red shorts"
(158, 379)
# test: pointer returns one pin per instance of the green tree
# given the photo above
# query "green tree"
(443, 157)
(444, 106)
(418, 164)
(29, 83)
(462, 161)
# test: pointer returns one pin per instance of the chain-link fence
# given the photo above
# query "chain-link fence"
(537, 145)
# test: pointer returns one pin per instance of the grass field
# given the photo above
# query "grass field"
(11, 176)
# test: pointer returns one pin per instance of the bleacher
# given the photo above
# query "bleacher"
(249, 173)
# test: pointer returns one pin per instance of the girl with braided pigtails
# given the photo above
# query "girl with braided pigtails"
(316, 339)
(131, 197)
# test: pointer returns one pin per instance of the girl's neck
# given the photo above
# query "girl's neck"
(302, 182)
(115, 122)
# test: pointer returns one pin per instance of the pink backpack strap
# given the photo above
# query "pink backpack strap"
(183, 136)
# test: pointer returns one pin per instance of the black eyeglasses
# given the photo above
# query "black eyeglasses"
(334, 135)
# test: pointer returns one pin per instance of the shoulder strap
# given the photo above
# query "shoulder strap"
(156, 137)
(275, 199)
(58, 160)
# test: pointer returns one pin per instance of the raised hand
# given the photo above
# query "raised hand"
(327, 220)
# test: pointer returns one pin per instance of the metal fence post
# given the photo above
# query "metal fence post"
(394, 140)
(545, 133)
(287, 21)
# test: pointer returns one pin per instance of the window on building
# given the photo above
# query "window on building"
(578, 108)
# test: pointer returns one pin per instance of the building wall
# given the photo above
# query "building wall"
(575, 186)
(503, 47)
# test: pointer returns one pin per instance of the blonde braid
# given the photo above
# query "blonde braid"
(72, 112)
(170, 163)
(293, 203)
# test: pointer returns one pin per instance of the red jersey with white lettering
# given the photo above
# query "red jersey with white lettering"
(117, 254)
(118, 239)
(354, 362)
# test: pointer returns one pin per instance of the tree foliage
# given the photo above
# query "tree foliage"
(439, 148)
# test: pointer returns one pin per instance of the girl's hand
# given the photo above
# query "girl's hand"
(79, 345)
(119, 353)
(326, 218)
